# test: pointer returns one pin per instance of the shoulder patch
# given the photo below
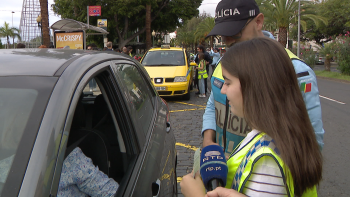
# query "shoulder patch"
(218, 83)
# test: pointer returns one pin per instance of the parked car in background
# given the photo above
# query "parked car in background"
(47, 110)
(170, 70)
(319, 60)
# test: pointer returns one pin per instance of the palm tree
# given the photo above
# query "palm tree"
(45, 22)
(148, 26)
(204, 29)
(285, 12)
(7, 32)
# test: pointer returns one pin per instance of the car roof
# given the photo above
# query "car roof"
(47, 62)
(167, 49)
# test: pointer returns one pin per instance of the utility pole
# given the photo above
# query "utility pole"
(13, 38)
(298, 49)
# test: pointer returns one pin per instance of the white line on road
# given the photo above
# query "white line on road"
(332, 100)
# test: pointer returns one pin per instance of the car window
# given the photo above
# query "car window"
(16, 106)
(138, 93)
(164, 58)
(97, 138)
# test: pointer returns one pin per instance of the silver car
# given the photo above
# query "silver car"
(54, 100)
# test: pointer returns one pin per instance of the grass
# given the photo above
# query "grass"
(333, 75)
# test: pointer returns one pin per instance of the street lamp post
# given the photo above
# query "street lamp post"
(298, 49)
(13, 38)
(153, 34)
(38, 20)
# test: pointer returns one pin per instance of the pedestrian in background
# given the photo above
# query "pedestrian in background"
(125, 51)
(109, 46)
(129, 49)
(208, 61)
(202, 74)
(216, 57)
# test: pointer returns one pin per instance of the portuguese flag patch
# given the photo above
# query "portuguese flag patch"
(305, 87)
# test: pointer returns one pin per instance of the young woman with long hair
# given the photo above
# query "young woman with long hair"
(280, 155)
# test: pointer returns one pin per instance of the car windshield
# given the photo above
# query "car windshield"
(164, 58)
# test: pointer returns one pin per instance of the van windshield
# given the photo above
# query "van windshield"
(164, 58)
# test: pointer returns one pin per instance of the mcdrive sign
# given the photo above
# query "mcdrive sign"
(95, 10)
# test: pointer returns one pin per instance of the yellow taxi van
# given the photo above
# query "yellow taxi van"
(170, 70)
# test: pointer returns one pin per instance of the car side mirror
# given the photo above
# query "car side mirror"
(193, 64)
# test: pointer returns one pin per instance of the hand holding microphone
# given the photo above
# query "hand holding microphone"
(213, 167)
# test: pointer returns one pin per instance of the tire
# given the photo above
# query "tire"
(188, 95)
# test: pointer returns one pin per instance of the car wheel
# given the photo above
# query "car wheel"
(191, 86)
(188, 95)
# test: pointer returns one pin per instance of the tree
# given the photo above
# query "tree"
(127, 19)
(337, 13)
(285, 13)
(186, 34)
(328, 52)
(7, 32)
(204, 29)
(148, 26)
(45, 22)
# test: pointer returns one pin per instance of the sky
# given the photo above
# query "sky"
(6, 9)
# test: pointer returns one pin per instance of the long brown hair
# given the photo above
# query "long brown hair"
(273, 103)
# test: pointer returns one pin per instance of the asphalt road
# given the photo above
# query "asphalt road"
(186, 120)
(336, 122)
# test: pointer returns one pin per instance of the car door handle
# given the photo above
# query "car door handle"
(168, 127)
(156, 188)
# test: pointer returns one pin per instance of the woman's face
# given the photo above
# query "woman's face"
(232, 89)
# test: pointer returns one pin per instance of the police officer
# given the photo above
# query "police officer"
(236, 21)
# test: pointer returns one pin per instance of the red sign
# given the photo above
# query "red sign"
(95, 10)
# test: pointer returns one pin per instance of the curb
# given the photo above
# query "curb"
(332, 79)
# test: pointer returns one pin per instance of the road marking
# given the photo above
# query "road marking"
(179, 178)
(189, 104)
(332, 100)
(186, 146)
(187, 110)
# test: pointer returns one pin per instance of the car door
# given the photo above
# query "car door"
(87, 116)
(149, 118)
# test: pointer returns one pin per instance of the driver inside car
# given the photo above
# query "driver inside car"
(80, 178)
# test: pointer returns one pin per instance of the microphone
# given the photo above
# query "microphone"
(213, 167)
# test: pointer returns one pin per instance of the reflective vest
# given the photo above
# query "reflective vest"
(237, 128)
(241, 163)
(202, 73)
